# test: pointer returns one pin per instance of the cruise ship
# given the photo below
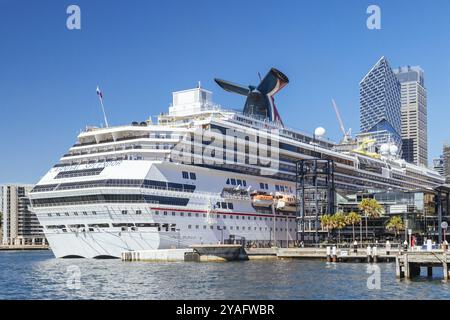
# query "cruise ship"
(199, 174)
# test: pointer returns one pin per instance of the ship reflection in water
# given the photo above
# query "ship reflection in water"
(37, 275)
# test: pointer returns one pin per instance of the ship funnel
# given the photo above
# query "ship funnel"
(260, 101)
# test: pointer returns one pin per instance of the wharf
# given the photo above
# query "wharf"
(23, 247)
(333, 254)
(229, 252)
(408, 264)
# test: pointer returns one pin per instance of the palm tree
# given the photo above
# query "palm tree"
(325, 222)
(339, 222)
(353, 218)
(395, 224)
(371, 209)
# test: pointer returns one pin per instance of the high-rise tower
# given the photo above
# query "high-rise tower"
(414, 114)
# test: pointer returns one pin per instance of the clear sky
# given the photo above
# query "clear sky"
(141, 51)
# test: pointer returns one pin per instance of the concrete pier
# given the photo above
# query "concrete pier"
(197, 253)
(219, 253)
(23, 247)
(160, 255)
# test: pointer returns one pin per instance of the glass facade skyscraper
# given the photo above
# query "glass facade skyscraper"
(380, 105)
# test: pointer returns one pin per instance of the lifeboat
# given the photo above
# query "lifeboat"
(262, 200)
(285, 202)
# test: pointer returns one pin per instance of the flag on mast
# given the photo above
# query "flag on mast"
(99, 93)
(100, 96)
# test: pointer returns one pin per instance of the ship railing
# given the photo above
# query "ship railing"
(191, 193)
(170, 191)
(216, 196)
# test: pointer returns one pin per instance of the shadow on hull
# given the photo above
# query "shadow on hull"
(101, 257)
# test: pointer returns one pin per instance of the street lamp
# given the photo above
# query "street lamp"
(406, 226)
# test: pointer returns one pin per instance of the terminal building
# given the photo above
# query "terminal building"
(422, 212)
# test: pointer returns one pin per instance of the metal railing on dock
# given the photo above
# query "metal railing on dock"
(335, 254)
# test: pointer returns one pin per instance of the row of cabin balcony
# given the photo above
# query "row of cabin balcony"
(71, 162)
(96, 151)
(111, 138)
(142, 152)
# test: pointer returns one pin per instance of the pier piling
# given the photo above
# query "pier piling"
(445, 266)
(334, 254)
(375, 254)
(369, 254)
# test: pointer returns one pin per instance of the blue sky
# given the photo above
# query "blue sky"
(141, 51)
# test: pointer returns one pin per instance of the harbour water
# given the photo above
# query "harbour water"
(37, 275)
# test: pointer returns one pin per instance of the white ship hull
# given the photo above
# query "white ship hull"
(69, 232)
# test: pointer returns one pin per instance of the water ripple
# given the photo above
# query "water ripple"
(37, 275)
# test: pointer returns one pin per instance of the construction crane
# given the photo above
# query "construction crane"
(347, 133)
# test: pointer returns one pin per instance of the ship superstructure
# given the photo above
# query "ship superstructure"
(199, 174)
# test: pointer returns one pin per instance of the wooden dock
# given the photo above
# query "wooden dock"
(334, 254)
(408, 264)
